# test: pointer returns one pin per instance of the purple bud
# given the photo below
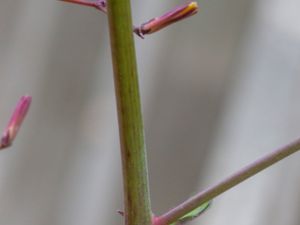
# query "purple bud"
(157, 23)
(15, 122)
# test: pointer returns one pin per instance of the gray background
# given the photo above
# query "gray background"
(219, 90)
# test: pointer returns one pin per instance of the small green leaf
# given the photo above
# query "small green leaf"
(193, 214)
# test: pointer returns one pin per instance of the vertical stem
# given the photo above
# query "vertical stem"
(136, 191)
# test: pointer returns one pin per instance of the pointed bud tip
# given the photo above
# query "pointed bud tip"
(193, 5)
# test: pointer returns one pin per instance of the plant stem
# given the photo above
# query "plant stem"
(134, 164)
(231, 181)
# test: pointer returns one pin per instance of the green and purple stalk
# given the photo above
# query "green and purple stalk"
(135, 175)
(137, 209)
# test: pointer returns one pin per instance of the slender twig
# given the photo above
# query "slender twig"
(135, 175)
(231, 181)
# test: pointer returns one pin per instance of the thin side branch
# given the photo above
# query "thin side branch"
(229, 182)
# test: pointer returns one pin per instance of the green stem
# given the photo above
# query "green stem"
(136, 191)
(229, 182)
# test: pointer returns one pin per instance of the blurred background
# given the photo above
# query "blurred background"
(219, 90)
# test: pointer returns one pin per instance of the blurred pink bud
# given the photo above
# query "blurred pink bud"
(98, 4)
(15, 122)
(155, 24)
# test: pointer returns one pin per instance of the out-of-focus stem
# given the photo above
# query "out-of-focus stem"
(229, 182)
(136, 192)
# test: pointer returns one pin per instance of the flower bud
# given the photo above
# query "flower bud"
(15, 122)
(157, 23)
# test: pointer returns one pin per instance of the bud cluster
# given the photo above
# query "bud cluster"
(153, 25)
